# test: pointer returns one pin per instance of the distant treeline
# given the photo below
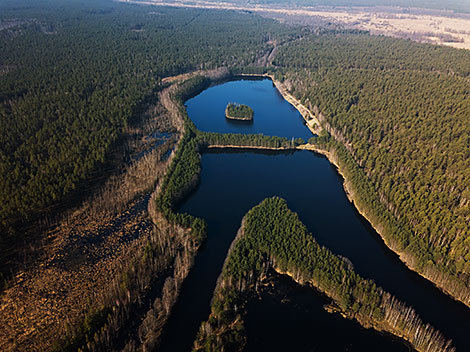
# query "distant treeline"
(273, 236)
(454, 5)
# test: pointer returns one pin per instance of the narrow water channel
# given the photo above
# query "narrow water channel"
(234, 181)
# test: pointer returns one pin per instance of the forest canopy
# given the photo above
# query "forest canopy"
(75, 75)
(238, 111)
(401, 109)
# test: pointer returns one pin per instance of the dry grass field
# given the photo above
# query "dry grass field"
(432, 26)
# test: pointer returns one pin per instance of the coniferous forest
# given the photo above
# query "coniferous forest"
(239, 111)
(272, 236)
(76, 78)
(401, 110)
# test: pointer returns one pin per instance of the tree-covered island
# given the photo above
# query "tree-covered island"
(236, 111)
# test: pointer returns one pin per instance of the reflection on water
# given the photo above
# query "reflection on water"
(305, 325)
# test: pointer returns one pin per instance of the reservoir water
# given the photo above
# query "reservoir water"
(233, 181)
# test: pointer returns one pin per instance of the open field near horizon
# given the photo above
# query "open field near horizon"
(421, 25)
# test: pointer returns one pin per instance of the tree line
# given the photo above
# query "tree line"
(400, 109)
(247, 140)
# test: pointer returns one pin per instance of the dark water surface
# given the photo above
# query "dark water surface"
(306, 325)
(273, 116)
(232, 182)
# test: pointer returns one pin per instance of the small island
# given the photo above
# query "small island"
(236, 111)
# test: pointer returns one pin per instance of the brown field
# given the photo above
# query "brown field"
(82, 258)
(437, 27)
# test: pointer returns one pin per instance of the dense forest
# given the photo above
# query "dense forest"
(401, 110)
(74, 76)
(273, 236)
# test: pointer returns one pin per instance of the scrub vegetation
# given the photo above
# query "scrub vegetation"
(75, 77)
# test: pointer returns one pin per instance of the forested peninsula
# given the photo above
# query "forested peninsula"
(272, 236)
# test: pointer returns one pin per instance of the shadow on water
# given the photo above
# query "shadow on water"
(305, 324)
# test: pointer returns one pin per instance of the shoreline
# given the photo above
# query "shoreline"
(350, 194)
(405, 257)
(311, 121)
(238, 118)
(332, 308)
(231, 146)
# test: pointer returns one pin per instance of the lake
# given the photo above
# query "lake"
(233, 181)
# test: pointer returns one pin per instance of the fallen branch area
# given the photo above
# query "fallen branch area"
(122, 251)
(155, 274)
(102, 255)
